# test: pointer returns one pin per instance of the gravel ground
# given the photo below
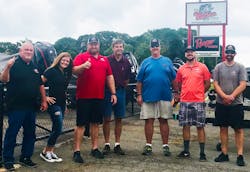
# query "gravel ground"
(133, 141)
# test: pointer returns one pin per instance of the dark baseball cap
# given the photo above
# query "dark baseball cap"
(93, 40)
(189, 48)
(154, 43)
(230, 49)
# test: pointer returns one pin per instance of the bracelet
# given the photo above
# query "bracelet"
(113, 94)
(138, 94)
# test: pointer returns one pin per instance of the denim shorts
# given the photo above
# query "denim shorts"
(119, 108)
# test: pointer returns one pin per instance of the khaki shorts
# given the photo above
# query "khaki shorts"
(160, 109)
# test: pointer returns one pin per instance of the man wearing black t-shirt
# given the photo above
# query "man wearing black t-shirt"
(24, 85)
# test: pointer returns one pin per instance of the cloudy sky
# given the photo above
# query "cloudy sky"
(49, 20)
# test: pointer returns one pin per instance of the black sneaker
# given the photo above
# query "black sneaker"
(97, 154)
(106, 150)
(240, 161)
(118, 150)
(47, 157)
(27, 162)
(147, 150)
(9, 166)
(221, 158)
(77, 157)
(203, 157)
(166, 151)
(184, 154)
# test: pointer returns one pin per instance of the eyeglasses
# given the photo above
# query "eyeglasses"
(230, 52)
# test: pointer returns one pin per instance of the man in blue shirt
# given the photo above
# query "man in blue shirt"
(154, 94)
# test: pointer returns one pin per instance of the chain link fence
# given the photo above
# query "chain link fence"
(43, 122)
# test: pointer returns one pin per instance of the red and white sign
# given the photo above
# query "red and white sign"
(206, 13)
(207, 46)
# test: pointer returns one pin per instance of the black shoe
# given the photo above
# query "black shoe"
(221, 158)
(240, 161)
(147, 150)
(184, 154)
(97, 154)
(27, 162)
(106, 150)
(203, 157)
(118, 150)
(77, 157)
(9, 166)
(166, 151)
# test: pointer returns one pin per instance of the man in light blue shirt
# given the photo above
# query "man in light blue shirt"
(154, 94)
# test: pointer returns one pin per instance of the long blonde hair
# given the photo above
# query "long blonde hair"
(59, 58)
(56, 63)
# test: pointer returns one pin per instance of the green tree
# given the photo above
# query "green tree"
(8, 47)
(67, 45)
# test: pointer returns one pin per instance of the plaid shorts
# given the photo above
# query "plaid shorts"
(192, 114)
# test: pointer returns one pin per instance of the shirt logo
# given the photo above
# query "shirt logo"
(36, 71)
(102, 59)
(233, 72)
(197, 70)
(164, 65)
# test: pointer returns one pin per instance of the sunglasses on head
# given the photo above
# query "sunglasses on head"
(230, 52)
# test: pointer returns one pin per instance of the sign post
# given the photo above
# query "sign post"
(205, 14)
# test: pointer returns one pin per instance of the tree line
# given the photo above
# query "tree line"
(173, 43)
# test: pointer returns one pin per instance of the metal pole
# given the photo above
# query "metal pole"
(223, 42)
(189, 35)
(198, 27)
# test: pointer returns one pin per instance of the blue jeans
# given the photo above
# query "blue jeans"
(16, 120)
(56, 114)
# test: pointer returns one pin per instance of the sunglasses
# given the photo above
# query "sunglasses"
(156, 46)
(230, 52)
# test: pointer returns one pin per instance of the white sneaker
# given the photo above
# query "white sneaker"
(47, 157)
(55, 157)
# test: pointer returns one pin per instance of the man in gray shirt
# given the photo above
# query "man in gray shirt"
(229, 82)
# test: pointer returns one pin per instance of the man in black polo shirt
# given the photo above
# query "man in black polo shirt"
(23, 86)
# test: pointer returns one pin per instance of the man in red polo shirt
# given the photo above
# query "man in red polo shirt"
(193, 80)
(93, 72)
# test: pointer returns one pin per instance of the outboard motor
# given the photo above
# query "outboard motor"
(177, 62)
(130, 90)
(212, 98)
(44, 55)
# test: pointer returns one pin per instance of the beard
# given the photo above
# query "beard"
(93, 51)
(229, 58)
(192, 59)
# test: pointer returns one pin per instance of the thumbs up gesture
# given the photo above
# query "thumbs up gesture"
(87, 64)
